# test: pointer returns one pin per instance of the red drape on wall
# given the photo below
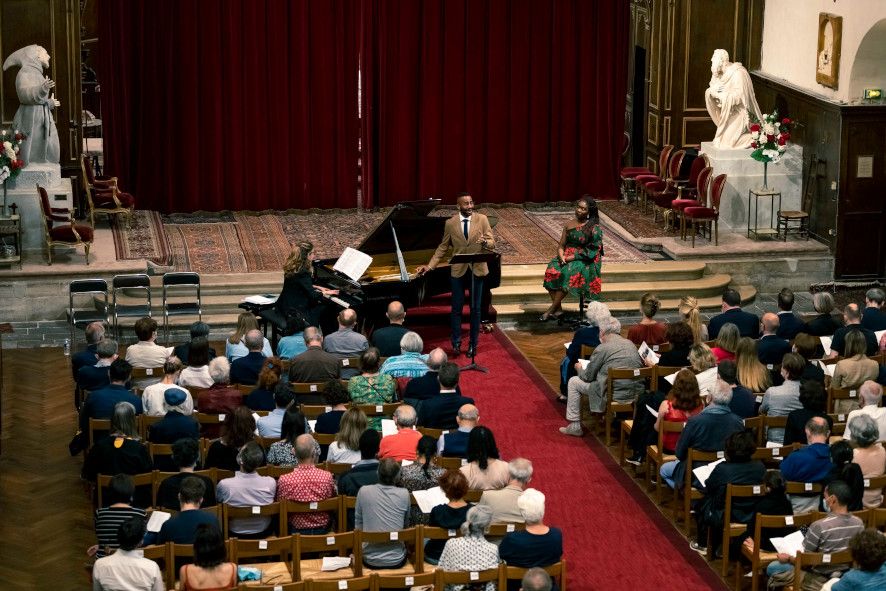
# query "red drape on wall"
(512, 100)
(226, 104)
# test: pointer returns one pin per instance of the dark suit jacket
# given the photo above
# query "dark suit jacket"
(387, 339)
(90, 377)
(440, 412)
(839, 342)
(454, 239)
(771, 349)
(83, 358)
(873, 319)
(744, 403)
(245, 370)
(789, 325)
(182, 352)
(314, 365)
(455, 444)
(167, 495)
(172, 427)
(823, 325)
(748, 324)
(706, 431)
(735, 473)
(425, 387)
(100, 404)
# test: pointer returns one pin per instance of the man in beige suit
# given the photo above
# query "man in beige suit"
(464, 233)
(503, 502)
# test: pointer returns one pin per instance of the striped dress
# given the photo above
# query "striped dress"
(108, 521)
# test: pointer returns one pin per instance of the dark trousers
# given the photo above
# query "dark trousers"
(459, 286)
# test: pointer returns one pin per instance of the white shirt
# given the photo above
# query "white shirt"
(338, 454)
(877, 413)
(126, 570)
(147, 354)
(153, 401)
(195, 377)
(461, 223)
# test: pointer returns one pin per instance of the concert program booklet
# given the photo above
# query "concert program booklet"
(353, 263)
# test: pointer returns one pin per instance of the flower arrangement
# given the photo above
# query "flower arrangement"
(770, 136)
(10, 164)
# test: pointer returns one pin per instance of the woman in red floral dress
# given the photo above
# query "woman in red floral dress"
(576, 270)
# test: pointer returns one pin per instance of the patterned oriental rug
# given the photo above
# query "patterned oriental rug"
(232, 242)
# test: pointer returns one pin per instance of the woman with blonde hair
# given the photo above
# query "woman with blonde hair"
(235, 348)
(700, 360)
(346, 447)
(648, 330)
(688, 309)
(749, 372)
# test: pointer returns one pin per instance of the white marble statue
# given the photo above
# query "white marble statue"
(729, 97)
(34, 115)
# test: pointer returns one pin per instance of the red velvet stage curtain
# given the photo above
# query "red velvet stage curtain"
(512, 100)
(232, 104)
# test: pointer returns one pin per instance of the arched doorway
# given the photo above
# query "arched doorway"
(867, 69)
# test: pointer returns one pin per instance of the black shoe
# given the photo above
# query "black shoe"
(456, 350)
(472, 351)
(636, 459)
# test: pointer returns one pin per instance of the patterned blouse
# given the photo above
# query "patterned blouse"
(412, 477)
(377, 389)
(281, 453)
(469, 554)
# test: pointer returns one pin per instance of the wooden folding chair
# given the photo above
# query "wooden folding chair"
(266, 442)
(493, 575)
(875, 483)
(385, 581)
(809, 559)
(429, 532)
(385, 410)
(660, 372)
(274, 472)
(159, 477)
(773, 423)
(408, 536)
(758, 558)
(97, 426)
(312, 411)
(330, 506)
(353, 584)
(346, 513)
(557, 572)
(878, 519)
(656, 456)
(449, 463)
(104, 480)
(435, 433)
(614, 408)
(323, 438)
(273, 556)
(334, 544)
(307, 387)
(297, 586)
(586, 352)
(730, 529)
(772, 456)
(755, 426)
(690, 493)
(844, 398)
(808, 489)
(160, 553)
(272, 510)
(337, 468)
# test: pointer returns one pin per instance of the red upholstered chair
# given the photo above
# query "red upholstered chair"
(664, 190)
(707, 215)
(693, 195)
(104, 194)
(67, 232)
(647, 175)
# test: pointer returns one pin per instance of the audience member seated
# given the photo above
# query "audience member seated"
(455, 443)
(823, 325)
(484, 470)
(146, 353)
(196, 375)
(182, 528)
(387, 338)
(270, 424)
(472, 551)
(691, 315)
(854, 370)
(153, 396)
(421, 475)
(700, 360)
(748, 324)
(176, 424)
(93, 377)
(828, 535)
(238, 428)
(873, 317)
(870, 395)
(119, 509)
(428, 385)
(852, 321)
(809, 464)
(847, 471)
(94, 333)
(363, 472)
(595, 313)
(615, 352)
(100, 403)
(814, 400)
(679, 335)
(383, 507)
(744, 403)
(750, 373)
(503, 501)
(220, 397)
(185, 454)
(449, 516)
(401, 445)
(245, 369)
(262, 398)
(537, 545)
(346, 447)
(410, 363)
(773, 502)
(440, 412)
(306, 484)
(807, 347)
(198, 329)
(739, 468)
(337, 399)
(121, 452)
(706, 431)
(292, 344)
(247, 488)
(868, 550)
(127, 568)
(346, 342)
(235, 347)
(726, 343)
(648, 330)
(372, 386)
(771, 347)
(789, 324)
(779, 401)
(536, 579)
(315, 364)
(294, 425)
(210, 569)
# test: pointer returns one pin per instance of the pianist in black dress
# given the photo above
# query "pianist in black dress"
(301, 303)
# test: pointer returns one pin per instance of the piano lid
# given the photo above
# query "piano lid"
(416, 230)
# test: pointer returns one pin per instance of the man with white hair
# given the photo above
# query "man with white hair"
(346, 342)
(537, 545)
(410, 363)
(428, 385)
(706, 431)
(595, 312)
(401, 445)
(503, 502)
(220, 397)
(614, 352)
(315, 364)
(870, 395)
(536, 579)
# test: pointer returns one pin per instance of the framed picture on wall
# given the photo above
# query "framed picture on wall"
(830, 33)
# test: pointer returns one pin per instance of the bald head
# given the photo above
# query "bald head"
(436, 358)
(852, 314)
(871, 393)
(396, 312)
(404, 416)
(347, 318)
(817, 430)
(467, 416)
(313, 336)
(254, 340)
(306, 449)
(770, 323)
(95, 332)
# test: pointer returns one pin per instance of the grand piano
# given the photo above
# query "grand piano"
(400, 244)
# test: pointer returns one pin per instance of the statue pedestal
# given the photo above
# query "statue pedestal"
(744, 173)
(26, 197)
(45, 175)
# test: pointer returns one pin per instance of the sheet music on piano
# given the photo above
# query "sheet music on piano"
(352, 263)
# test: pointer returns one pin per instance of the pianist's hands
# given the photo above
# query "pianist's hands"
(422, 270)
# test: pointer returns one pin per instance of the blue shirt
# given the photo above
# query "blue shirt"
(808, 464)
(862, 580)
(407, 365)
(290, 346)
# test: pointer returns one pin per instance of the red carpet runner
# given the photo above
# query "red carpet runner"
(614, 537)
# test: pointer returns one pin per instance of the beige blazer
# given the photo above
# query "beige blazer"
(454, 239)
(503, 503)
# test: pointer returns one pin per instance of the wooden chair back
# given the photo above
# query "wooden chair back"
(274, 472)
(435, 433)
(281, 548)
(659, 374)
(159, 477)
(694, 458)
(98, 425)
(352, 584)
(332, 544)
(586, 351)
(499, 530)
(312, 411)
(104, 480)
(809, 559)
(493, 575)
(760, 558)
(408, 536)
(755, 425)
(272, 510)
(449, 463)
(803, 488)
(378, 410)
(330, 506)
(773, 423)
(835, 394)
(144, 423)
(730, 529)
(307, 387)
(612, 407)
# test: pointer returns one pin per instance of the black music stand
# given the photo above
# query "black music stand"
(473, 259)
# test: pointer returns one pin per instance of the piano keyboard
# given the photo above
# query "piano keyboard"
(338, 301)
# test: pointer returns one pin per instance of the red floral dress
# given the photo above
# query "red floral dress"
(581, 275)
